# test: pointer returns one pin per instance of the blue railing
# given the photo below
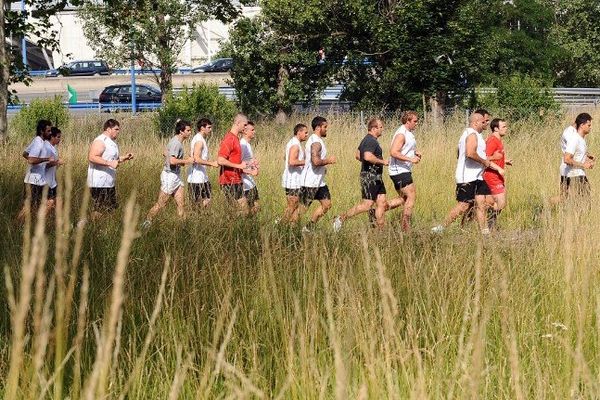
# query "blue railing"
(100, 106)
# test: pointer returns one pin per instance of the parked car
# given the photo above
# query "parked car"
(218, 65)
(81, 68)
(122, 94)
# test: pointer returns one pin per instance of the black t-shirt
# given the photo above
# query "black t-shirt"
(370, 144)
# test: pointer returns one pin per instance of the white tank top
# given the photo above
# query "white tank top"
(197, 173)
(564, 139)
(102, 176)
(468, 170)
(247, 155)
(36, 173)
(410, 145)
(51, 171)
(312, 176)
(292, 176)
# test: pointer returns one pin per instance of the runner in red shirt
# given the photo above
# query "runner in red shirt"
(230, 161)
(494, 149)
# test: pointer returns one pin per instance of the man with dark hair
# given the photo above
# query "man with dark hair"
(370, 154)
(104, 160)
(403, 156)
(198, 182)
(291, 180)
(250, 189)
(577, 159)
(313, 174)
(37, 156)
(494, 150)
(470, 186)
(231, 163)
(170, 181)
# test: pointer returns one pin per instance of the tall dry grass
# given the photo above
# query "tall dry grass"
(220, 307)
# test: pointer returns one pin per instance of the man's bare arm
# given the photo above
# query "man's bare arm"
(370, 157)
(293, 160)
(315, 156)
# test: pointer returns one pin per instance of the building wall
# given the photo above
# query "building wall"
(205, 43)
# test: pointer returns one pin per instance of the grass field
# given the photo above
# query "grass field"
(220, 307)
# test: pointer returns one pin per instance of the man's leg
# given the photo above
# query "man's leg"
(161, 202)
(324, 206)
(480, 212)
(179, 200)
(381, 205)
(410, 195)
(459, 209)
(361, 207)
(291, 211)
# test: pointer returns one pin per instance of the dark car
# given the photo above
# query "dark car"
(81, 68)
(122, 94)
(218, 65)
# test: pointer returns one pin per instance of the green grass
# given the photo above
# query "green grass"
(256, 310)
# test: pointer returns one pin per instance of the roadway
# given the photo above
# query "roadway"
(89, 87)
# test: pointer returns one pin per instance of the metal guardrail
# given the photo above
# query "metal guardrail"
(574, 97)
(127, 71)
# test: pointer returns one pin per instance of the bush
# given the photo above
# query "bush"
(199, 101)
(25, 122)
(521, 96)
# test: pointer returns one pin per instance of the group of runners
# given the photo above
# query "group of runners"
(480, 182)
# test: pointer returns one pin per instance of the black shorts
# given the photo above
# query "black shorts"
(293, 192)
(577, 185)
(371, 186)
(234, 191)
(52, 192)
(104, 199)
(251, 196)
(401, 180)
(37, 193)
(309, 194)
(466, 192)
(199, 191)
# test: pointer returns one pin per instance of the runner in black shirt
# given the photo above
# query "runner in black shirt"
(370, 155)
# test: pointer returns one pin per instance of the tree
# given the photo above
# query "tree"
(34, 22)
(388, 55)
(153, 32)
(577, 32)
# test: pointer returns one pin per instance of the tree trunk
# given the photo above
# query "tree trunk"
(4, 76)
(165, 81)
(438, 105)
(282, 76)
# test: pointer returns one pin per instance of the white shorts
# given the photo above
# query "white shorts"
(169, 182)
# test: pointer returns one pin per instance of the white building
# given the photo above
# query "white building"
(73, 44)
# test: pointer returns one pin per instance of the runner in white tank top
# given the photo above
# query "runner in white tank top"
(104, 175)
(51, 168)
(313, 174)
(291, 179)
(472, 160)
(248, 182)
(403, 155)
(104, 160)
(199, 188)
(577, 159)
(197, 172)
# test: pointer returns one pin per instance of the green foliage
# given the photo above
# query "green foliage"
(521, 96)
(577, 31)
(199, 101)
(157, 30)
(272, 69)
(25, 122)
